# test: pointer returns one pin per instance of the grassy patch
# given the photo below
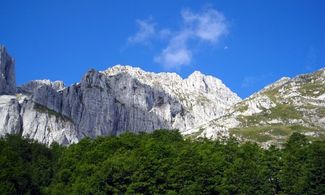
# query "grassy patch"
(251, 133)
(242, 108)
(285, 111)
(308, 89)
(321, 111)
(195, 134)
(281, 111)
(202, 100)
(309, 106)
(271, 132)
(288, 130)
(43, 109)
(272, 94)
(280, 131)
(19, 96)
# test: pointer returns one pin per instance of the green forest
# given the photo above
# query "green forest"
(162, 162)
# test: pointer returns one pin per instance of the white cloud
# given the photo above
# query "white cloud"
(174, 57)
(145, 33)
(207, 26)
(176, 53)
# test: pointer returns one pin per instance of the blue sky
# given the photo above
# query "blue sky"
(247, 44)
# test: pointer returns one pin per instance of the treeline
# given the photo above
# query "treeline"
(162, 162)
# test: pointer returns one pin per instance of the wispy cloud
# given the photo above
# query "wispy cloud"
(207, 26)
(174, 57)
(176, 53)
(145, 32)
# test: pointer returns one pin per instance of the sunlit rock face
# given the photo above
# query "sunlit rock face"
(10, 119)
(185, 103)
(119, 99)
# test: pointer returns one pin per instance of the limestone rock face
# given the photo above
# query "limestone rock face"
(7, 73)
(124, 98)
(102, 105)
(195, 99)
(46, 125)
(10, 119)
(110, 102)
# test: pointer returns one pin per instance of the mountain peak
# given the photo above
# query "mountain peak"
(116, 69)
(196, 74)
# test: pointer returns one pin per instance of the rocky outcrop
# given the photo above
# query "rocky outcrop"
(7, 73)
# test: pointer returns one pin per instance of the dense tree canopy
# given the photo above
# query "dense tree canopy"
(162, 162)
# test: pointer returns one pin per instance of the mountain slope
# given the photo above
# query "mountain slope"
(271, 115)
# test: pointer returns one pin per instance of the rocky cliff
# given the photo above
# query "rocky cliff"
(7, 73)
(110, 102)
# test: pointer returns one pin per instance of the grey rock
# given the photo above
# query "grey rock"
(46, 125)
(7, 73)
(102, 105)
(10, 119)
(31, 86)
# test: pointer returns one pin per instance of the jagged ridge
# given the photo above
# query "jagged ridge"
(110, 102)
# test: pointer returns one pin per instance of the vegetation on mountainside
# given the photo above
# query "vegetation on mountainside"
(284, 112)
(312, 84)
(275, 133)
(163, 163)
(312, 89)
(43, 109)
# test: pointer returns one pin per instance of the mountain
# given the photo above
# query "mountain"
(271, 115)
(128, 99)
(110, 102)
